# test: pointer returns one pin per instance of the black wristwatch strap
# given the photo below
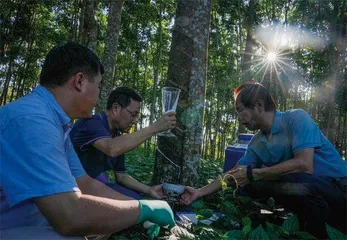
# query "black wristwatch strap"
(249, 173)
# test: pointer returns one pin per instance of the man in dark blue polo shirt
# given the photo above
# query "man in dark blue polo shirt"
(100, 144)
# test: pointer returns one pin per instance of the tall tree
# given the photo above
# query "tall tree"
(187, 71)
(89, 33)
(336, 47)
(110, 53)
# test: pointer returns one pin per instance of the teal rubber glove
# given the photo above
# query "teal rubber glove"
(156, 211)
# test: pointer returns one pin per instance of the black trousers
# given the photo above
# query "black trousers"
(315, 200)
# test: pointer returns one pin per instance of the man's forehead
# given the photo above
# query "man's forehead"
(98, 78)
(134, 104)
(238, 103)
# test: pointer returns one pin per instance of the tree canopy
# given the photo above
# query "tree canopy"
(296, 48)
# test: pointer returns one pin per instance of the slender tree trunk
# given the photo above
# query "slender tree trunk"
(81, 20)
(3, 96)
(109, 60)
(247, 55)
(157, 61)
(14, 87)
(334, 78)
(90, 26)
(74, 35)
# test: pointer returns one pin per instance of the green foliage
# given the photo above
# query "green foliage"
(140, 164)
(335, 234)
(198, 204)
(234, 235)
(271, 202)
(204, 214)
(153, 231)
(291, 225)
(241, 216)
(258, 234)
(210, 169)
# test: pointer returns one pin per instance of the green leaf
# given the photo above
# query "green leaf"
(226, 222)
(231, 208)
(243, 199)
(204, 214)
(304, 235)
(291, 225)
(234, 235)
(246, 221)
(198, 204)
(271, 202)
(246, 229)
(119, 238)
(335, 234)
(274, 229)
(258, 234)
(153, 231)
(209, 234)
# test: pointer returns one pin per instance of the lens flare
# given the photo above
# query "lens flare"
(271, 57)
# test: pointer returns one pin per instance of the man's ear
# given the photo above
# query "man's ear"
(116, 107)
(259, 104)
(78, 81)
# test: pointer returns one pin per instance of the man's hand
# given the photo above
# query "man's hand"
(165, 122)
(156, 191)
(189, 195)
(156, 211)
(239, 178)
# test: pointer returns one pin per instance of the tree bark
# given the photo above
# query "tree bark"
(187, 71)
(90, 26)
(110, 53)
(156, 66)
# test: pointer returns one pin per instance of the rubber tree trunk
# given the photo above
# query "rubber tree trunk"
(110, 53)
(90, 26)
(178, 158)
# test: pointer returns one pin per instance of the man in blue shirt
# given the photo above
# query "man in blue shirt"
(100, 145)
(42, 182)
(303, 171)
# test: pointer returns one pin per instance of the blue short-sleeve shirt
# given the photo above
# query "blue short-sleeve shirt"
(83, 134)
(37, 157)
(292, 131)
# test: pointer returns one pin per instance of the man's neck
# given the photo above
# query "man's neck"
(109, 116)
(268, 119)
(63, 98)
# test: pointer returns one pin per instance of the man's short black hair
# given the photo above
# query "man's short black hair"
(248, 93)
(122, 96)
(64, 61)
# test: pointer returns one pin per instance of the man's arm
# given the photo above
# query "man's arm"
(93, 187)
(128, 181)
(190, 194)
(77, 214)
(114, 147)
(302, 162)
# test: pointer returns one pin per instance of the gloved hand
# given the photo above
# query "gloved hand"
(156, 211)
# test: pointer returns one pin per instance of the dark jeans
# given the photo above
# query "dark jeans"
(118, 188)
(315, 200)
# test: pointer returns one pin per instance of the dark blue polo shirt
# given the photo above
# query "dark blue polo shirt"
(83, 134)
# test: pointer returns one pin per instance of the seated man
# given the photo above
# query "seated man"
(303, 171)
(100, 144)
(44, 191)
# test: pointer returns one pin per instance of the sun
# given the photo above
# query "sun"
(271, 57)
